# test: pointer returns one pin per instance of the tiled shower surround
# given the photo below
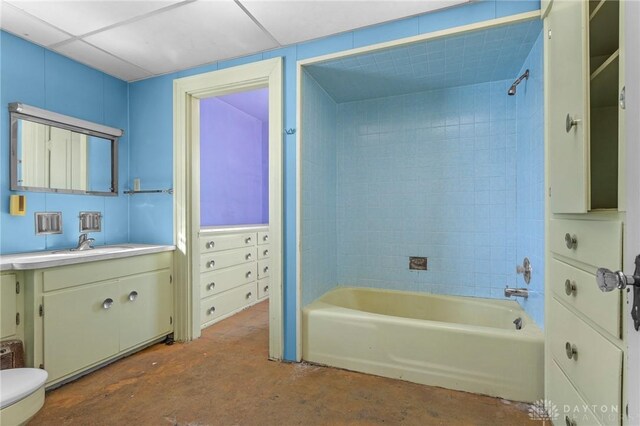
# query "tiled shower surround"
(455, 175)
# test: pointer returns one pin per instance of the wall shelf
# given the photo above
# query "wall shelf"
(149, 191)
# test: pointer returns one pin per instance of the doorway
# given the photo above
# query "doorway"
(197, 97)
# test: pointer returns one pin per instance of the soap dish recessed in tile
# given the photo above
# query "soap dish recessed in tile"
(48, 223)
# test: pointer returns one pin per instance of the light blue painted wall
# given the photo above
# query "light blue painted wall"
(429, 174)
(33, 75)
(530, 179)
(319, 267)
(151, 119)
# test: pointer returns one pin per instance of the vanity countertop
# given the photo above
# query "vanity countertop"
(50, 259)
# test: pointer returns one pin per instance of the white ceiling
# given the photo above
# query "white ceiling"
(136, 39)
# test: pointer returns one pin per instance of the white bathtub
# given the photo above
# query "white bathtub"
(461, 343)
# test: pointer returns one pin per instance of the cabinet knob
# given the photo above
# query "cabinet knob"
(571, 241)
(249, 295)
(248, 274)
(248, 256)
(569, 422)
(265, 238)
(133, 295)
(266, 269)
(211, 286)
(247, 240)
(211, 244)
(108, 302)
(211, 310)
(570, 288)
(570, 122)
(265, 253)
(266, 288)
(211, 263)
(572, 351)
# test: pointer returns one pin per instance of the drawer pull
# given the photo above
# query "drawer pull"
(570, 122)
(247, 240)
(249, 295)
(108, 302)
(569, 422)
(248, 256)
(265, 253)
(248, 274)
(211, 310)
(266, 288)
(211, 244)
(133, 296)
(265, 238)
(570, 288)
(211, 263)
(211, 286)
(572, 351)
(571, 241)
(266, 269)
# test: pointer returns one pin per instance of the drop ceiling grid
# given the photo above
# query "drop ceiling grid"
(484, 55)
(100, 33)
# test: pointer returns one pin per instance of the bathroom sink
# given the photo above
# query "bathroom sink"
(95, 250)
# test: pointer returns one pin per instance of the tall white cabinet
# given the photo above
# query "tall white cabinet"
(585, 344)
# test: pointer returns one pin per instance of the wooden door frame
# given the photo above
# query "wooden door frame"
(187, 93)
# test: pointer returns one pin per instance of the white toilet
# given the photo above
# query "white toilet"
(21, 394)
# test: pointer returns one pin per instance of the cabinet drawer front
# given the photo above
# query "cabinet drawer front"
(218, 281)
(263, 237)
(586, 369)
(597, 243)
(224, 259)
(226, 242)
(566, 399)
(224, 303)
(582, 293)
(263, 288)
(263, 268)
(264, 252)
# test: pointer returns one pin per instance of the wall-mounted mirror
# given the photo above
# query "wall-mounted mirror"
(52, 152)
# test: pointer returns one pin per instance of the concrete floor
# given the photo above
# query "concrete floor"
(224, 378)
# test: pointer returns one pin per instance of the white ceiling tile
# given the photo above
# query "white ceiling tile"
(82, 16)
(294, 21)
(87, 54)
(23, 25)
(185, 36)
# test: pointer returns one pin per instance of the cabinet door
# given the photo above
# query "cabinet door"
(567, 98)
(8, 304)
(80, 327)
(145, 307)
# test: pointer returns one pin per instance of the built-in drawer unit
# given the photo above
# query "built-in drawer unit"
(231, 262)
(570, 408)
(578, 289)
(225, 279)
(593, 242)
(227, 258)
(263, 268)
(590, 361)
(263, 288)
(227, 302)
(227, 242)
(263, 237)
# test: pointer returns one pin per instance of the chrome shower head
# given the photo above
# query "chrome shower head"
(512, 89)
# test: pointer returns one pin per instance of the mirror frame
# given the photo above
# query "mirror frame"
(37, 115)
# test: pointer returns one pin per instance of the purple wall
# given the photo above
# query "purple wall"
(233, 163)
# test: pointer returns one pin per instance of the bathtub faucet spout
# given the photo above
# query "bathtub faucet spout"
(516, 292)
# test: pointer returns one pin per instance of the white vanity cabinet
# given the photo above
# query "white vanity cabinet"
(86, 314)
(234, 270)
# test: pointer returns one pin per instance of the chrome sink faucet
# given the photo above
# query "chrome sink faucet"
(516, 292)
(84, 242)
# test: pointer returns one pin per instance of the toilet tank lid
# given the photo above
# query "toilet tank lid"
(18, 383)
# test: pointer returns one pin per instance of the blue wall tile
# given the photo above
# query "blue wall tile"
(393, 30)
